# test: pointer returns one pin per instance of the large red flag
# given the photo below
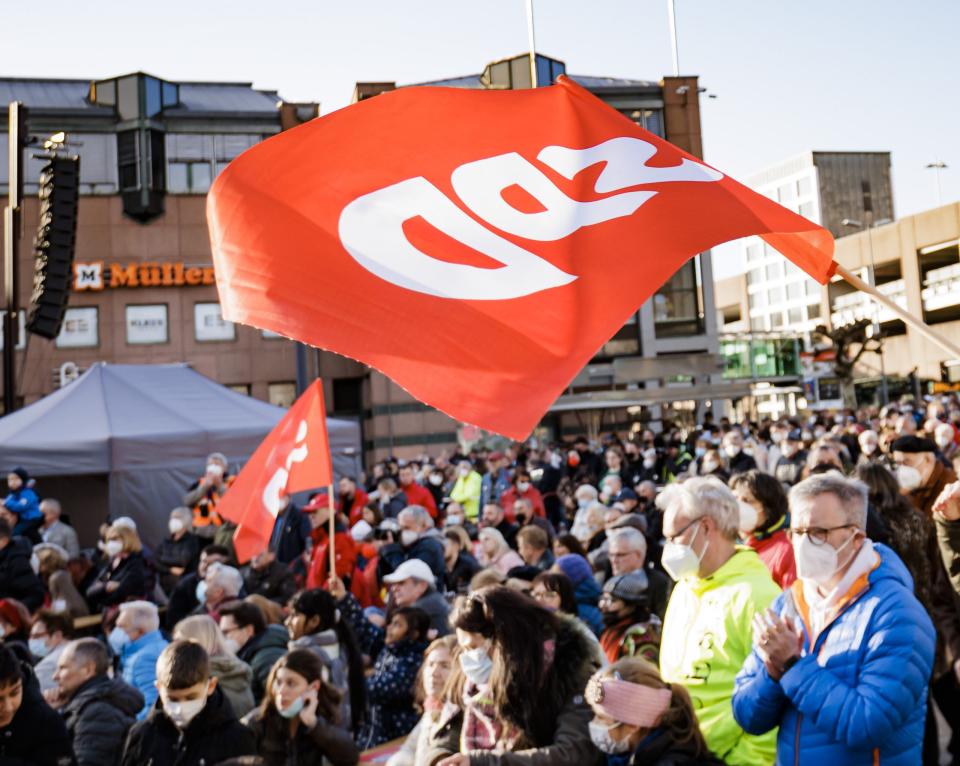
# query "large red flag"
(478, 247)
(294, 457)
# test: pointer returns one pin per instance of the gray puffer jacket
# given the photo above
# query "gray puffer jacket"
(235, 678)
(98, 718)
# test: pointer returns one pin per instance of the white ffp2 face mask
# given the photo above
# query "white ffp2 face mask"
(182, 713)
(749, 518)
(908, 477)
(680, 560)
(817, 563)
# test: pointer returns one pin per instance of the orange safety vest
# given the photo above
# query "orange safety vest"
(205, 512)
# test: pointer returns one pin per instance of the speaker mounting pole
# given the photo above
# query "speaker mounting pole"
(17, 139)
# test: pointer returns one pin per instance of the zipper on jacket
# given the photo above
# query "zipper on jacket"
(796, 741)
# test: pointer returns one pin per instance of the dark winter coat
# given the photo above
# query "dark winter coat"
(427, 549)
(261, 652)
(290, 534)
(557, 734)
(659, 749)
(183, 599)
(17, 578)
(98, 718)
(322, 745)
(183, 553)
(37, 735)
(130, 575)
(459, 577)
(390, 694)
(275, 582)
(213, 736)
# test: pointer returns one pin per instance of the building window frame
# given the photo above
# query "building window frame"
(166, 323)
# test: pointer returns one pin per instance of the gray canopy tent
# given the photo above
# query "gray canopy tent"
(128, 440)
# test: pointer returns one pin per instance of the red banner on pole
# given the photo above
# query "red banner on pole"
(294, 457)
(476, 246)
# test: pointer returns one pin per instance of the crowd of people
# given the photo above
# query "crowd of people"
(729, 593)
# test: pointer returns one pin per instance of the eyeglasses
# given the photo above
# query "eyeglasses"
(817, 535)
(671, 538)
(542, 595)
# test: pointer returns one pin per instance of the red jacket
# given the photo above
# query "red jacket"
(417, 495)
(508, 498)
(355, 511)
(364, 585)
(777, 553)
(345, 551)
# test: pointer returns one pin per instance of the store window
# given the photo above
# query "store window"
(147, 325)
(282, 394)
(209, 324)
(240, 388)
(794, 290)
(80, 328)
(677, 305)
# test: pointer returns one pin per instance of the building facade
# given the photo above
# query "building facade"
(826, 188)
(143, 289)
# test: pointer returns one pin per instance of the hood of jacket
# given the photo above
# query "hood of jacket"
(112, 691)
(231, 672)
(587, 592)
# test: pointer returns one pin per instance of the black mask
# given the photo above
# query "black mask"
(612, 618)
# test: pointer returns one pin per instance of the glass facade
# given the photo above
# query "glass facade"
(758, 357)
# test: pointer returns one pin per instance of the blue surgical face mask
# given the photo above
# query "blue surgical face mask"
(38, 647)
(118, 639)
(476, 665)
(201, 592)
(293, 711)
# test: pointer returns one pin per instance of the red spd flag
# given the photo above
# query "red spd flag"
(294, 457)
(477, 247)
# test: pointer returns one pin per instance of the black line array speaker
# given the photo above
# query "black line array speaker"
(53, 245)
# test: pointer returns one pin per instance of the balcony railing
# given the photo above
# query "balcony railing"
(854, 306)
(941, 288)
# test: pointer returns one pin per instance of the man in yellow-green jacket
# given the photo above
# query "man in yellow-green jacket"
(466, 490)
(707, 632)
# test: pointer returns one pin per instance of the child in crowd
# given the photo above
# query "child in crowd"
(390, 688)
(192, 723)
(297, 721)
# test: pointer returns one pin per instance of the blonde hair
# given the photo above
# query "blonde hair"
(201, 629)
(271, 610)
(126, 535)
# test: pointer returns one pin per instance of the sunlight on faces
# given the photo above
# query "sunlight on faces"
(230, 629)
(744, 495)
(546, 597)
(623, 558)
(70, 674)
(406, 592)
(299, 625)
(198, 691)
(288, 686)
(436, 671)
(397, 629)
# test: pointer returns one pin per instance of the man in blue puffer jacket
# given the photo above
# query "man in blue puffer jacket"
(841, 661)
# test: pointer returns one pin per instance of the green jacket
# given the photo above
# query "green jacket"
(466, 491)
(948, 536)
(706, 638)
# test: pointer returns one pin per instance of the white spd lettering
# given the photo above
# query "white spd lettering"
(275, 490)
(371, 226)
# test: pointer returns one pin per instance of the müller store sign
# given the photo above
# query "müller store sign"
(98, 275)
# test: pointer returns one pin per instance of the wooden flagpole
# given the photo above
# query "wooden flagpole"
(917, 324)
(332, 532)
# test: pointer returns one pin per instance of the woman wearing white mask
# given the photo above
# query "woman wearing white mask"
(515, 694)
(125, 575)
(297, 720)
(179, 553)
(921, 476)
(764, 522)
(640, 720)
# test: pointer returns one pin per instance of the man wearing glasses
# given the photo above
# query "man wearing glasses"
(841, 662)
(706, 630)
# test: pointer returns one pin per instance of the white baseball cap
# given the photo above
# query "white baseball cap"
(415, 568)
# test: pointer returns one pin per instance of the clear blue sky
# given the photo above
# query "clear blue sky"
(822, 74)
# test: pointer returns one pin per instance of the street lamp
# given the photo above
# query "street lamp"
(938, 166)
(855, 224)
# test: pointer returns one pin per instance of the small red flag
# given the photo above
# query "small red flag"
(478, 247)
(294, 457)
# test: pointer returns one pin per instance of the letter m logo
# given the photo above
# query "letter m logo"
(88, 276)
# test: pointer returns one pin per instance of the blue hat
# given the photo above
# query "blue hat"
(575, 567)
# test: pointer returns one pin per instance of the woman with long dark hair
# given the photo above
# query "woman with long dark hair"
(639, 720)
(297, 722)
(764, 521)
(912, 536)
(516, 689)
(315, 623)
